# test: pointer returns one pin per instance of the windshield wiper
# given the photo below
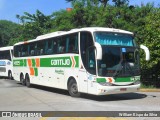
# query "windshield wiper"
(117, 69)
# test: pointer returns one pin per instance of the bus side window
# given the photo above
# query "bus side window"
(17, 51)
(24, 51)
(31, 52)
(61, 47)
(55, 46)
(49, 47)
(40, 47)
(32, 48)
(73, 43)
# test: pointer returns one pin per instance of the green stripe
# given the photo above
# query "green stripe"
(50, 62)
(77, 61)
(25, 62)
(58, 62)
(101, 80)
(36, 71)
(33, 63)
(127, 79)
(124, 79)
(18, 62)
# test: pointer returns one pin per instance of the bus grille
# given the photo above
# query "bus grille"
(2, 69)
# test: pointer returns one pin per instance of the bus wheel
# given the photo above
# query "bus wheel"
(10, 75)
(22, 80)
(27, 79)
(73, 88)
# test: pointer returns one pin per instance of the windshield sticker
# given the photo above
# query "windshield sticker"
(123, 49)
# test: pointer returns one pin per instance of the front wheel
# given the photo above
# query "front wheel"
(73, 89)
(10, 75)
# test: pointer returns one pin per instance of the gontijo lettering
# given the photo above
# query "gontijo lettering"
(60, 62)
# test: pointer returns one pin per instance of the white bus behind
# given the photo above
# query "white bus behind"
(6, 62)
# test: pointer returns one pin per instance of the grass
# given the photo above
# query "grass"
(148, 86)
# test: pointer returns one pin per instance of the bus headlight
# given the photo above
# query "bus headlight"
(105, 83)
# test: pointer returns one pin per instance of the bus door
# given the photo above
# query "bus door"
(87, 52)
(83, 80)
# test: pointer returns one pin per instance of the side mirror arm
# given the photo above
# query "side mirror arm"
(146, 50)
(99, 51)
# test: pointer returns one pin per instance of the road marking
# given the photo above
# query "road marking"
(92, 118)
(85, 118)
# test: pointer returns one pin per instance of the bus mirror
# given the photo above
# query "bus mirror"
(146, 50)
(99, 51)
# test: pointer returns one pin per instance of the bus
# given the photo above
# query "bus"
(6, 62)
(91, 60)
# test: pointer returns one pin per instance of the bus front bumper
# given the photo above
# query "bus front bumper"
(106, 90)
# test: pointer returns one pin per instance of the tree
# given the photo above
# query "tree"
(119, 3)
(103, 2)
(8, 31)
(35, 24)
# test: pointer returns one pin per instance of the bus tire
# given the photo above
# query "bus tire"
(73, 88)
(9, 75)
(22, 80)
(27, 79)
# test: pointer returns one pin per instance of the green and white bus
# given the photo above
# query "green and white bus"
(91, 60)
(6, 62)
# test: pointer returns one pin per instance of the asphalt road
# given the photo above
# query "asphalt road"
(15, 97)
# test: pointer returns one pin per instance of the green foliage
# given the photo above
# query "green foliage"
(8, 31)
(148, 86)
(34, 25)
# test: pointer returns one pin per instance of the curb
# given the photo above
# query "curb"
(149, 90)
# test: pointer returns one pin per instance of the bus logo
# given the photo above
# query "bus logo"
(60, 62)
(17, 63)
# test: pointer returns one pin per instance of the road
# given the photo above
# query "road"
(15, 97)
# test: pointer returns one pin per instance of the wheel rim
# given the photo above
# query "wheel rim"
(74, 88)
(9, 75)
(22, 80)
(27, 81)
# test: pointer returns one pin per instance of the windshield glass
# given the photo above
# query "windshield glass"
(107, 38)
(5, 55)
(119, 61)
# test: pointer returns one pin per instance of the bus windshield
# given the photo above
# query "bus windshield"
(107, 38)
(5, 55)
(120, 56)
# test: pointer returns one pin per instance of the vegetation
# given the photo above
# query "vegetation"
(143, 20)
(7, 32)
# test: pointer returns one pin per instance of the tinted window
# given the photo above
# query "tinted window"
(5, 55)
(56, 45)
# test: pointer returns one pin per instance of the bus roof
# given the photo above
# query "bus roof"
(90, 29)
(6, 48)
